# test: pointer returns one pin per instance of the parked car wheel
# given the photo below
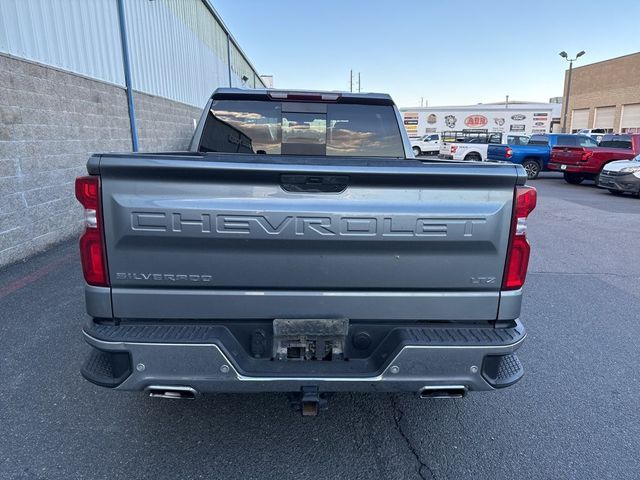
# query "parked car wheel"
(473, 157)
(417, 151)
(573, 178)
(532, 168)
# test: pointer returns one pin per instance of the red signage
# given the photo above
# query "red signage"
(476, 121)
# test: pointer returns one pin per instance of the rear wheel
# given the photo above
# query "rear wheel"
(417, 151)
(473, 157)
(532, 168)
(573, 178)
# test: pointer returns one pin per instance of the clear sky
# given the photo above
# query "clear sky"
(449, 52)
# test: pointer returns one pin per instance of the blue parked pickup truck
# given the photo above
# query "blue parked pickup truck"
(534, 155)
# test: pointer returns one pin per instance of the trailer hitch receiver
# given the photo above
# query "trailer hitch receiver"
(309, 401)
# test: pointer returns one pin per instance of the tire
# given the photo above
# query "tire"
(532, 168)
(573, 178)
(416, 151)
(473, 157)
(617, 193)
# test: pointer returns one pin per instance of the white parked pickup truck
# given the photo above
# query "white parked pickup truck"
(428, 144)
(473, 145)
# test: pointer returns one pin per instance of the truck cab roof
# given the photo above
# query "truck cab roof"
(302, 96)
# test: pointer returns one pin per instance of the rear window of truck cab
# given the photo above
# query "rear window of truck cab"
(617, 141)
(294, 128)
(566, 141)
(538, 140)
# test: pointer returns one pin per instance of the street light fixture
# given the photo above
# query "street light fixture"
(564, 55)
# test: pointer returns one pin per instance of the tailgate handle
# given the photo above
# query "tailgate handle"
(314, 183)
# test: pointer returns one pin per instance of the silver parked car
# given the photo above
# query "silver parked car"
(621, 176)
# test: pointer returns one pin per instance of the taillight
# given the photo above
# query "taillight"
(586, 156)
(508, 153)
(304, 96)
(92, 251)
(519, 249)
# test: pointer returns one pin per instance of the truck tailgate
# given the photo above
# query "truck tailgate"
(213, 237)
(497, 152)
(567, 155)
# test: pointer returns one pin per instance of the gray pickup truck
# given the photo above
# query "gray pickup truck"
(299, 247)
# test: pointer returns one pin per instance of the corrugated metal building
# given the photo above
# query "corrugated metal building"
(65, 94)
(179, 49)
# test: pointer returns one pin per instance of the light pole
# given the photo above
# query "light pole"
(564, 55)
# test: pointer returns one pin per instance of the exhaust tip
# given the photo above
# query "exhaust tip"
(443, 391)
(172, 392)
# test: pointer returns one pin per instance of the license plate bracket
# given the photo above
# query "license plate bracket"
(320, 339)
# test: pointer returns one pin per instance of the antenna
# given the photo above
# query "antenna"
(351, 81)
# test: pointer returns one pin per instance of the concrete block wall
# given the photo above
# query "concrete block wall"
(163, 125)
(51, 121)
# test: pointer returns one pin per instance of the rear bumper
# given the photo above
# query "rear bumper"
(622, 183)
(206, 359)
(586, 169)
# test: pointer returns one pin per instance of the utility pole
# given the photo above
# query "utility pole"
(358, 82)
(506, 104)
(421, 102)
(351, 80)
(124, 44)
(566, 101)
(564, 55)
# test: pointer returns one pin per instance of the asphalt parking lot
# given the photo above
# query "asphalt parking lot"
(574, 415)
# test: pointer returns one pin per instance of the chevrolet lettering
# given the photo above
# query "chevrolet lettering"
(323, 225)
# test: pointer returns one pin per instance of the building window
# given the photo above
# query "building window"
(603, 119)
(579, 119)
(630, 121)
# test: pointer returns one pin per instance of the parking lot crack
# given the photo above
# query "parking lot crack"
(398, 415)
(458, 414)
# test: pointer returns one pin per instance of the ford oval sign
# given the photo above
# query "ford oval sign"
(518, 117)
(476, 121)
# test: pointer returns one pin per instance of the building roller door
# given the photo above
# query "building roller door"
(604, 118)
(579, 119)
(630, 118)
